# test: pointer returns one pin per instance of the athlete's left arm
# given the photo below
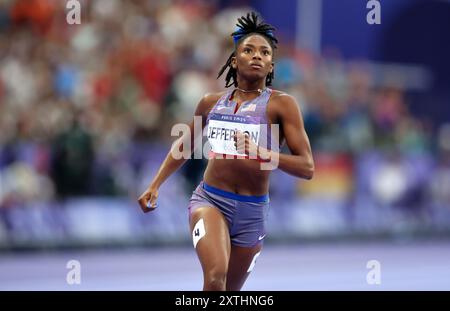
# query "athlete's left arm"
(300, 162)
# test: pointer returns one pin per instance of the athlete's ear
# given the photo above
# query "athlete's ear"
(233, 62)
(272, 66)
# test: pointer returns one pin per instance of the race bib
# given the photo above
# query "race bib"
(222, 127)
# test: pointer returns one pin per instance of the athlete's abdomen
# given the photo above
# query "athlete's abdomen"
(241, 176)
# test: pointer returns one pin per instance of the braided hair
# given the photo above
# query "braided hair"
(246, 26)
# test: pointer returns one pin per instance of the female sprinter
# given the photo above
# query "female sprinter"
(228, 210)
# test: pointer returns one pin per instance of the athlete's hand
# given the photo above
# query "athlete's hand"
(245, 145)
(147, 201)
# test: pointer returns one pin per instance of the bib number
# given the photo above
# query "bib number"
(222, 128)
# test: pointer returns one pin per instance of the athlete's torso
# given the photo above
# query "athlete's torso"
(241, 176)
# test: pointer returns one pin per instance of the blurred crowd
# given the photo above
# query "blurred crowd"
(83, 107)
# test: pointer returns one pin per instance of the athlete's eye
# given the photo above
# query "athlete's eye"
(266, 52)
(247, 50)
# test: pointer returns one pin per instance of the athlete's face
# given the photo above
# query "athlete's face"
(254, 58)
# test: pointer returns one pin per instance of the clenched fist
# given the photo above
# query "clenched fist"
(147, 201)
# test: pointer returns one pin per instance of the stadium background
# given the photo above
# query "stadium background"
(86, 112)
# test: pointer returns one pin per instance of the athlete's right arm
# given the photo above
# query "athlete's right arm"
(171, 163)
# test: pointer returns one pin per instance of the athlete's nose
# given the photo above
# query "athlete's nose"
(257, 55)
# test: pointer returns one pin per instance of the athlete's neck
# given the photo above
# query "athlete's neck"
(247, 90)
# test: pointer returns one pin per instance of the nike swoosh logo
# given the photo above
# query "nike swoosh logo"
(261, 237)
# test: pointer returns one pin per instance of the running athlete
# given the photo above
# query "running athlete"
(228, 209)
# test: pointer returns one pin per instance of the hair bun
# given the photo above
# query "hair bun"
(250, 24)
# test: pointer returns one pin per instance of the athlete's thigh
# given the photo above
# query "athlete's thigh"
(211, 238)
(242, 261)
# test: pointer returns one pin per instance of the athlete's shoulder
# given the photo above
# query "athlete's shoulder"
(283, 102)
(208, 101)
(282, 96)
(212, 98)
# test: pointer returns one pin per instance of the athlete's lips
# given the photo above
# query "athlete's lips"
(256, 65)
